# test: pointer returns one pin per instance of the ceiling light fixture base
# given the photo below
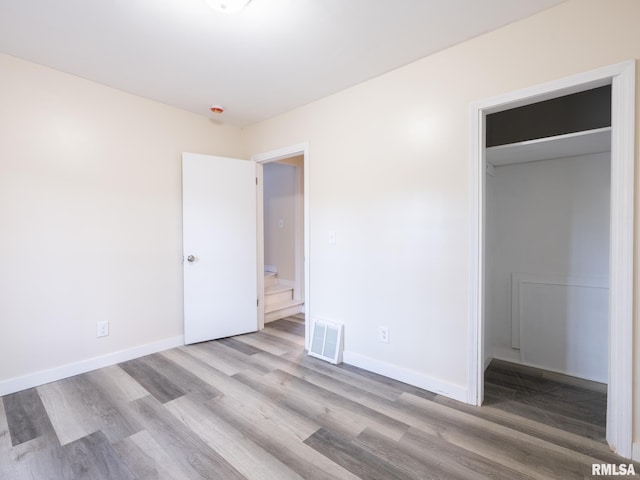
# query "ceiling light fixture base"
(227, 6)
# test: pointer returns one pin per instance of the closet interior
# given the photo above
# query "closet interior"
(547, 234)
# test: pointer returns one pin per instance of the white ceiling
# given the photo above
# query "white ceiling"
(274, 56)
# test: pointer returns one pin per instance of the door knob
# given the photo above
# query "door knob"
(191, 258)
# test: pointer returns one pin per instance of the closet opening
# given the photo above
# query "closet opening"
(547, 224)
(620, 78)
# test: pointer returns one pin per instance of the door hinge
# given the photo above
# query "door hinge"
(256, 180)
(257, 302)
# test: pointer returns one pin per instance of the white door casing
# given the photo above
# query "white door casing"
(219, 242)
(303, 260)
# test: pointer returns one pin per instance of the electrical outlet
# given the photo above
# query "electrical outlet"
(383, 334)
(103, 328)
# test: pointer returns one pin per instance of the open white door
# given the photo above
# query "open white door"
(219, 238)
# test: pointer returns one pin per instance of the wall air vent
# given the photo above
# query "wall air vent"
(326, 341)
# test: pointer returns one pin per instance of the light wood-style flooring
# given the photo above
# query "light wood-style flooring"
(256, 407)
(569, 403)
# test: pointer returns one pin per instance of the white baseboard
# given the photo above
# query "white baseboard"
(506, 354)
(17, 384)
(507, 357)
(406, 375)
(487, 361)
(635, 455)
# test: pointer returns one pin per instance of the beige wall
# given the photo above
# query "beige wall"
(389, 162)
(90, 212)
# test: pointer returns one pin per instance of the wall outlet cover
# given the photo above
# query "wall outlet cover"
(102, 329)
(383, 334)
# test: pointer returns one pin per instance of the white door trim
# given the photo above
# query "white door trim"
(298, 286)
(274, 156)
(622, 78)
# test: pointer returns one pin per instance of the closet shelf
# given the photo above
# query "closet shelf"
(580, 143)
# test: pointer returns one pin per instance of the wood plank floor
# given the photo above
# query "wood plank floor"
(256, 407)
(572, 404)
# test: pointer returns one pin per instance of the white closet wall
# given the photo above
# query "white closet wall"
(547, 264)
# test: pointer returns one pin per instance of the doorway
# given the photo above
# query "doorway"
(283, 234)
(283, 228)
(547, 261)
(621, 77)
